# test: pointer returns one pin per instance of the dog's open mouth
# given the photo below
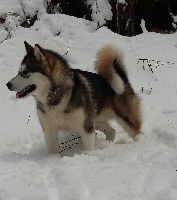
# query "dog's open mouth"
(26, 91)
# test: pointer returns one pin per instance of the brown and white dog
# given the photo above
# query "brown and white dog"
(75, 100)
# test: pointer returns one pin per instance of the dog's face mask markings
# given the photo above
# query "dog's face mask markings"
(29, 75)
(22, 83)
(24, 72)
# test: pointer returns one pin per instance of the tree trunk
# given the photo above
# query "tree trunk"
(123, 19)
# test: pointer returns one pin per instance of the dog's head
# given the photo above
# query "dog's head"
(31, 73)
(39, 68)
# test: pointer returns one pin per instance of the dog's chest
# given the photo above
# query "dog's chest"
(68, 121)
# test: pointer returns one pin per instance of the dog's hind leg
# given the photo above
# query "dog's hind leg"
(87, 134)
(127, 110)
(131, 129)
(104, 127)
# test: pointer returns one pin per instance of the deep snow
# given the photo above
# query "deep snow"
(142, 170)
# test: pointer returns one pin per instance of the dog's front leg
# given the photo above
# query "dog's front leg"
(51, 140)
(50, 132)
(88, 140)
(88, 135)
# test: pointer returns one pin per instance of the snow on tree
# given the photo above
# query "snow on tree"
(101, 11)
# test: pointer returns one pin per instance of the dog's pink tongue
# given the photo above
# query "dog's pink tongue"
(19, 94)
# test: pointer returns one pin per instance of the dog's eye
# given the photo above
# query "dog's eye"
(25, 74)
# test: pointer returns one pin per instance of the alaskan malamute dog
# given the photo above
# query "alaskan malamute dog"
(75, 100)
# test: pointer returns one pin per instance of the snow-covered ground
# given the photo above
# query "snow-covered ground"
(119, 170)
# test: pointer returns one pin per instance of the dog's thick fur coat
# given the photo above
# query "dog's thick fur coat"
(76, 100)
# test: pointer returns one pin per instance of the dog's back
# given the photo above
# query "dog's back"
(100, 89)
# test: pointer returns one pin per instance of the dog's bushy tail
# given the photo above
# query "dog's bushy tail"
(110, 66)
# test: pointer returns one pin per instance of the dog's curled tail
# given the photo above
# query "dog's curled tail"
(110, 66)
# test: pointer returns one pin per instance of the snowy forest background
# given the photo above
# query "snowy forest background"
(121, 16)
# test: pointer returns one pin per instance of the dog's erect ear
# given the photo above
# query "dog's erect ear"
(39, 52)
(28, 47)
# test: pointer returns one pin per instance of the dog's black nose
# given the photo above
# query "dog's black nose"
(9, 85)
